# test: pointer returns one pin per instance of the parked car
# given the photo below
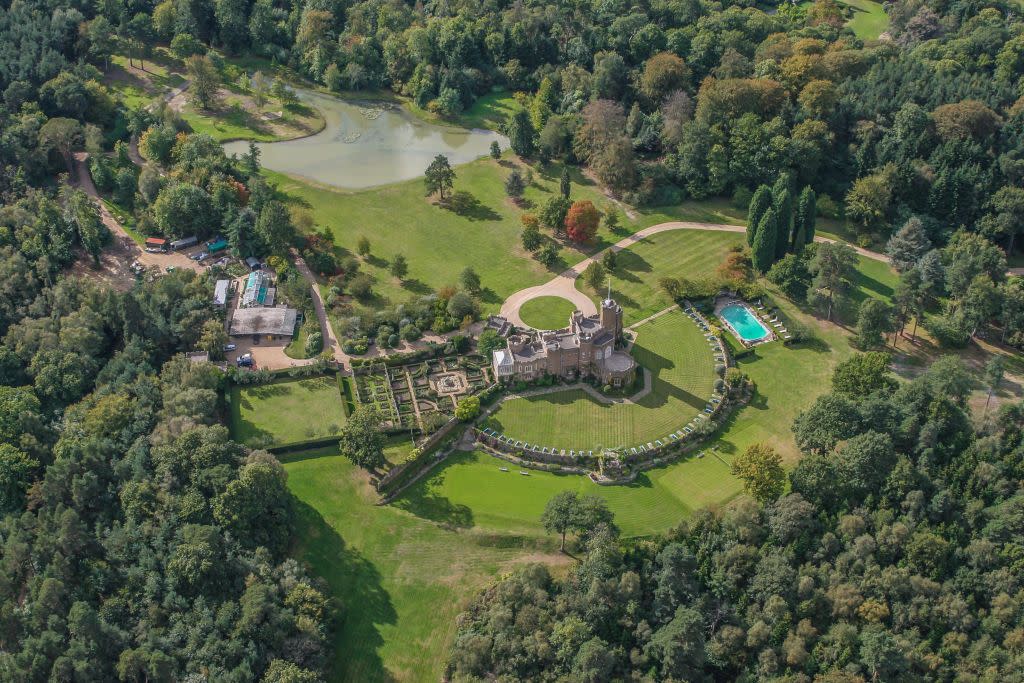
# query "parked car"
(230, 347)
(154, 250)
(201, 256)
(170, 269)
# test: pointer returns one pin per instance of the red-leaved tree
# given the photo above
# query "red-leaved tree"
(581, 221)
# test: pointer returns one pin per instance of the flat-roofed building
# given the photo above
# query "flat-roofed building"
(220, 293)
(275, 323)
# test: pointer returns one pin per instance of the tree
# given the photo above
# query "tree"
(790, 274)
(531, 238)
(868, 200)
(439, 176)
(495, 150)
(760, 468)
(908, 245)
(782, 202)
(560, 514)
(16, 473)
(759, 205)
(363, 246)
(204, 79)
(399, 266)
(567, 511)
(470, 280)
(82, 213)
(62, 135)
(595, 276)
(662, 74)
(515, 185)
(832, 267)
(520, 133)
(553, 213)
(806, 218)
(994, 371)
(611, 218)
(488, 342)
(609, 259)
(763, 252)
(909, 298)
(274, 226)
(564, 184)
(361, 439)
(260, 88)
(863, 374)
(140, 32)
(468, 408)
(874, 320)
(581, 221)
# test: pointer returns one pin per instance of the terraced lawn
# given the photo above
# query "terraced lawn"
(547, 312)
(286, 412)
(400, 580)
(672, 348)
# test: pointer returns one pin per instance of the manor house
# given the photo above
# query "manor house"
(588, 347)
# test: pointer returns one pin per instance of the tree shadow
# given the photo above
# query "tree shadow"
(375, 261)
(423, 501)
(356, 583)
(489, 296)
(416, 286)
(464, 204)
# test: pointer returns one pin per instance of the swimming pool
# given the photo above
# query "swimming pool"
(744, 323)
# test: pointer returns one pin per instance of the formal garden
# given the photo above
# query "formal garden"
(421, 395)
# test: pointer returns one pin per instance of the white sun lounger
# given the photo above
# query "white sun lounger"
(503, 469)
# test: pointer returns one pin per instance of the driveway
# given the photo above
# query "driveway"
(563, 285)
(132, 251)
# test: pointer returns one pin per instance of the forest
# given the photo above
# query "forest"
(894, 554)
(139, 543)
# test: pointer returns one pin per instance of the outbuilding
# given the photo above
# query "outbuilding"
(272, 323)
(156, 243)
(220, 293)
(184, 243)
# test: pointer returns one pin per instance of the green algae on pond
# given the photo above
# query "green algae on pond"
(365, 144)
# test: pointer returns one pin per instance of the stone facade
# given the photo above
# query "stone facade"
(588, 347)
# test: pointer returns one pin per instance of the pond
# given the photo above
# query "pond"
(368, 143)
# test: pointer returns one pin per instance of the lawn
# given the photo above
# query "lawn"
(286, 412)
(471, 490)
(439, 243)
(403, 572)
(672, 348)
(679, 253)
(868, 20)
(547, 312)
(399, 580)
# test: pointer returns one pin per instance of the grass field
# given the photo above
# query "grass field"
(400, 580)
(547, 312)
(471, 490)
(680, 253)
(438, 243)
(672, 348)
(869, 19)
(286, 412)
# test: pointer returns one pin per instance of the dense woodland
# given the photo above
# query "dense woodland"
(137, 542)
(894, 555)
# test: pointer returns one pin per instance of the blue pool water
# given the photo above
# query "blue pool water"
(744, 323)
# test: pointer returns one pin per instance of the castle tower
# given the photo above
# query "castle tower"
(611, 314)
